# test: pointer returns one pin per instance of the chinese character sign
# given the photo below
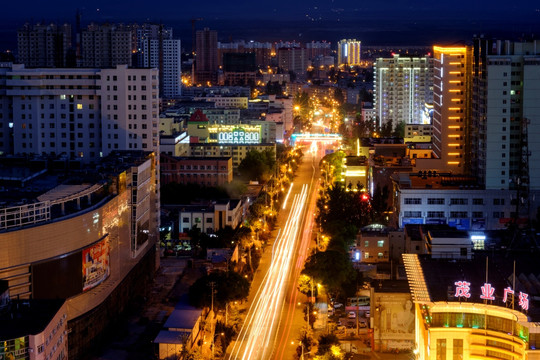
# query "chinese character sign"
(507, 291)
(462, 289)
(487, 292)
(524, 301)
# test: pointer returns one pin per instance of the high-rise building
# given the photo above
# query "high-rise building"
(402, 87)
(156, 48)
(42, 45)
(293, 59)
(349, 51)
(506, 113)
(451, 107)
(108, 45)
(206, 59)
(317, 49)
(82, 113)
(262, 51)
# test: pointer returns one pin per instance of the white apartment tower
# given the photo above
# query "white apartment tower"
(81, 113)
(349, 51)
(156, 48)
(402, 87)
(451, 107)
(510, 102)
(169, 62)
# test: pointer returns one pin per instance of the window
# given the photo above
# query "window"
(411, 214)
(458, 214)
(498, 201)
(498, 214)
(435, 214)
(366, 255)
(458, 201)
(380, 255)
(185, 220)
(441, 349)
(413, 201)
(477, 214)
(366, 243)
(380, 243)
(208, 220)
(435, 201)
(478, 201)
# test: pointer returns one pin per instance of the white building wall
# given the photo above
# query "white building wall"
(129, 107)
(483, 209)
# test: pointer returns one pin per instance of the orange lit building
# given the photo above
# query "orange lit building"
(451, 99)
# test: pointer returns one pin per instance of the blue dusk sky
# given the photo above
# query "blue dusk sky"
(374, 22)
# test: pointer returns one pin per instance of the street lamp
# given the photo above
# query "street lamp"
(213, 342)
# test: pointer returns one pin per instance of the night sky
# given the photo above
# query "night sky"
(374, 22)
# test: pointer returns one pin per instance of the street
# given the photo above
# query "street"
(272, 316)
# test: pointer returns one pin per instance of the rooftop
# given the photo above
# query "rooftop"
(28, 317)
(441, 276)
(434, 180)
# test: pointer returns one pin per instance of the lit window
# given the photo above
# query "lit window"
(380, 243)
(79, 106)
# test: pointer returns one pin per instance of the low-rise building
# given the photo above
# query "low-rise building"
(392, 311)
(429, 197)
(237, 151)
(212, 171)
(486, 308)
(212, 217)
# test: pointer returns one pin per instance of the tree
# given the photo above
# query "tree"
(228, 286)
(326, 341)
(306, 286)
(386, 129)
(257, 165)
(399, 130)
(333, 268)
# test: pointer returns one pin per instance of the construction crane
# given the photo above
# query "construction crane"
(193, 22)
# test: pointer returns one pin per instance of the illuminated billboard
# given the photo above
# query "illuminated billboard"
(235, 134)
(95, 264)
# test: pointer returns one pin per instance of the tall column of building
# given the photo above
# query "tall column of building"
(506, 101)
(349, 52)
(105, 46)
(206, 61)
(451, 99)
(401, 89)
(43, 45)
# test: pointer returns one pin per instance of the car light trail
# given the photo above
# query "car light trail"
(261, 320)
(287, 197)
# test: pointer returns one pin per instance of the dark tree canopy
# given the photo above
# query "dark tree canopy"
(228, 286)
(257, 165)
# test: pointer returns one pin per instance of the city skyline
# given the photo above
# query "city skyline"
(390, 23)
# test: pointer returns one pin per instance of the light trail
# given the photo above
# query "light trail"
(255, 337)
(287, 197)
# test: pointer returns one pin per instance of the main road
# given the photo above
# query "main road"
(273, 318)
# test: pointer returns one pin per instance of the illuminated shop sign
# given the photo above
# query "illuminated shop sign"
(239, 135)
(463, 289)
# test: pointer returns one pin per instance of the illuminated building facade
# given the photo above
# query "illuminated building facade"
(92, 243)
(451, 100)
(402, 86)
(236, 151)
(461, 315)
(349, 52)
